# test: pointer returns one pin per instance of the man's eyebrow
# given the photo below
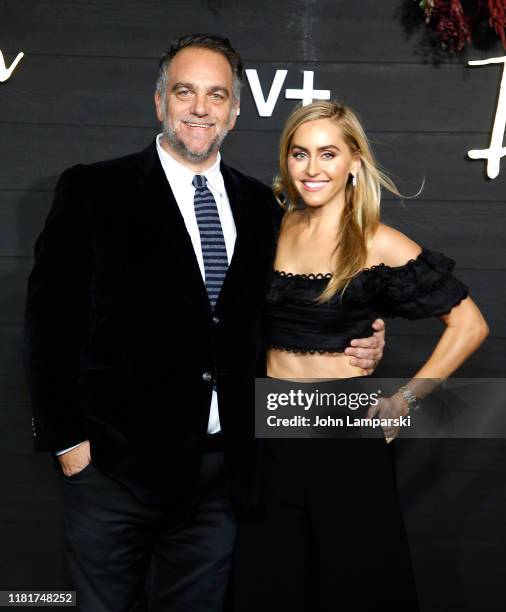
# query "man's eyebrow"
(192, 87)
(180, 84)
(220, 88)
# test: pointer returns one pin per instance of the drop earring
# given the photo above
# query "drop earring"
(354, 180)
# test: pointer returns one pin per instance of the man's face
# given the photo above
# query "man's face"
(198, 109)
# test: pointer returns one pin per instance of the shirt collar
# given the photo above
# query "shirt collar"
(177, 170)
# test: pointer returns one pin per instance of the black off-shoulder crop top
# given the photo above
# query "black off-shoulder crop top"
(296, 322)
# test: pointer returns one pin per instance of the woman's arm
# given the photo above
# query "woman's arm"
(465, 330)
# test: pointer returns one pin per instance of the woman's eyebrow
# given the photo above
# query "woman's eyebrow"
(331, 146)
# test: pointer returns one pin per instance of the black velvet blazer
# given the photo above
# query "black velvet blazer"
(120, 335)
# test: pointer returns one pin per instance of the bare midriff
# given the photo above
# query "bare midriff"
(286, 364)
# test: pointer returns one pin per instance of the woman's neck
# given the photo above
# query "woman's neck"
(326, 218)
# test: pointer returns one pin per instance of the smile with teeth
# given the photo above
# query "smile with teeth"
(314, 185)
(198, 125)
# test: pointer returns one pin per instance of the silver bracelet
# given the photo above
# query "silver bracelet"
(411, 399)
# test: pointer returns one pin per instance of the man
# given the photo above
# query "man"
(142, 319)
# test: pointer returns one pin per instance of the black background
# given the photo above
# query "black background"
(84, 92)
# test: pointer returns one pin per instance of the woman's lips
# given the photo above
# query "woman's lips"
(314, 185)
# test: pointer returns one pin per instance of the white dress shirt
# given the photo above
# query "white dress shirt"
(180, 180)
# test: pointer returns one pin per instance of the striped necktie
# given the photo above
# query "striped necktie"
(212, 241)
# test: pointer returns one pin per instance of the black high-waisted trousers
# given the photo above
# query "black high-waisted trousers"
(329, 533)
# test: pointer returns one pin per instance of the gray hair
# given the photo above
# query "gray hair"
(203, 41)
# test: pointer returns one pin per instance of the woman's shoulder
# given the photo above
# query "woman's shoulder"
(391, 247)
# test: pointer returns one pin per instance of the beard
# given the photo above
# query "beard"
(182, 149)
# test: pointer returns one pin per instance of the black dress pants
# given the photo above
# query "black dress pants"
(329, 534)
(129, 556)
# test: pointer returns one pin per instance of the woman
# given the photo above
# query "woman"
(329, 534)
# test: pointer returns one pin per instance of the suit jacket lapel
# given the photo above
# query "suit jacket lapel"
(161, 207)
(242, 212)
(160, 204)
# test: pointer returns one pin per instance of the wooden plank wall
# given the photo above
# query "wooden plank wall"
(84, 92)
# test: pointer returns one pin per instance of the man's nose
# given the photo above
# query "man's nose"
(199, 106)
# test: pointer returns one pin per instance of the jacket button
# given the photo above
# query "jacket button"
(216, 320)
(206, 376)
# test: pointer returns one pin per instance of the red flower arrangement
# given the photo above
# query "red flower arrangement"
(497, 18)
(454, 27)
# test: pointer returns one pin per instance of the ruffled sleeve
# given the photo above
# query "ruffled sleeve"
(424, 287)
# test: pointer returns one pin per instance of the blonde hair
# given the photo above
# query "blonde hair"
(361, 213)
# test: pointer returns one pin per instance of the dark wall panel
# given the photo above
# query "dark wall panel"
(31, 168)
(11, 346)
(389, 97)
(471, 232)
(374, 31)
(31, 484)
(22, 215)
(294, 29)
(132, 29)
(13, 276)
(448, 497)
(16, 428)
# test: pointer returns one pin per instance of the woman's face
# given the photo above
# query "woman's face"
(320, 162)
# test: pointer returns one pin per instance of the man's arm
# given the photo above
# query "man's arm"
(366, 353)
(56, 317)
